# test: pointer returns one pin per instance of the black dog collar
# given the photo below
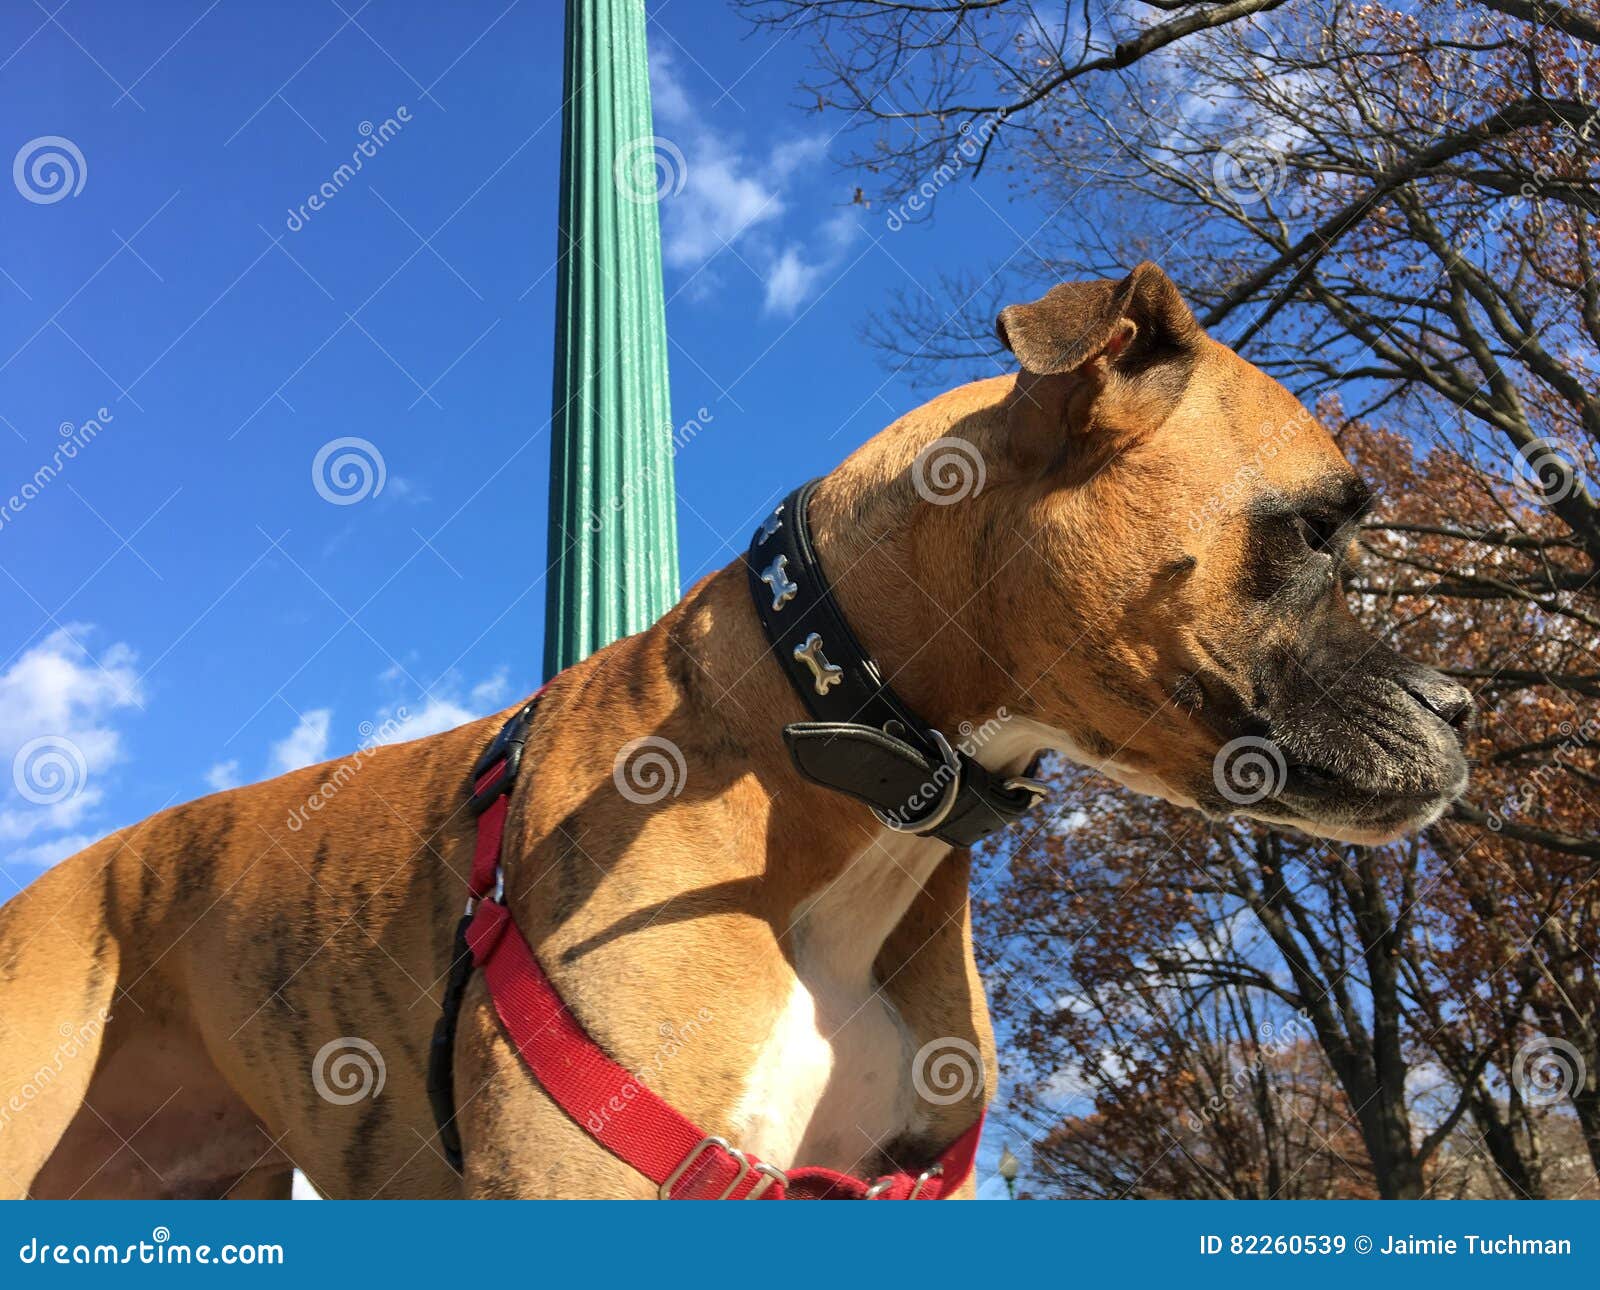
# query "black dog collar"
(863, 740)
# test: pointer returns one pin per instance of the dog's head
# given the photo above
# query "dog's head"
(1161, 546)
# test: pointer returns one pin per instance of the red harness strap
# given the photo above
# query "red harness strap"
(612, 1105)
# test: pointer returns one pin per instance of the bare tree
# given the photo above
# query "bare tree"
(1402, 199)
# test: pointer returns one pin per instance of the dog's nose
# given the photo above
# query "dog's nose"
(1441, 696)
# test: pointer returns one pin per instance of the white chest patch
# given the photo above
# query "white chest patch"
(832, 1081)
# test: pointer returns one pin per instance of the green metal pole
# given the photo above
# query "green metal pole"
(613, 535)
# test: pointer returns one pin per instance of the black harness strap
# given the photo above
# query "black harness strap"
(505, 752)
(442, 1050)
(863, 739)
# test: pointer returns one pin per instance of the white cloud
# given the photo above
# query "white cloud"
(791, 281)
(57, 738)
(669, 101)
(399, 725)
(720, 204)
(306, 744)
(792, 156)
(788, 282)
(41, 855)
(224, 775)
(734, 196)
(717, 207)
(23, 821)
(492, 692)
(402, 489)
(451, 703)
(1071, 1084)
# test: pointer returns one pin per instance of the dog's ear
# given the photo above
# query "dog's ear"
(1078, 324)
(1104, 359)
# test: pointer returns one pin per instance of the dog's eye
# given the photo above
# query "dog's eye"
(1322, 532)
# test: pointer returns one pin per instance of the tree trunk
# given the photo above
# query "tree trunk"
(1521, 1175)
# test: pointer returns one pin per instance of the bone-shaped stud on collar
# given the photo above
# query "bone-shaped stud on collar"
(776, 576)
(770, 525)
(824, 675)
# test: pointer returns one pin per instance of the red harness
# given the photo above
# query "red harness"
(611, 1104)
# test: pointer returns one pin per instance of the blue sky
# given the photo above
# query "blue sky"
(179, 602)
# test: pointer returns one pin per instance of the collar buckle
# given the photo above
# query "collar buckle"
(862, 740)
(949, 769)
(496, 771)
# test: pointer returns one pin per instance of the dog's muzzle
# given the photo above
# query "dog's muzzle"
(1355, 752)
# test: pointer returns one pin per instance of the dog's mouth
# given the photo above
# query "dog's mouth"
(1367, 771)
(1318, 801)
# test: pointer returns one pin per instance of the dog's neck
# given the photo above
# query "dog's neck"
(870, 928)
(870, 560)
(840, 926)
(853, 879)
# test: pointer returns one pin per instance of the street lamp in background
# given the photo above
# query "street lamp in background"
(1007, 1169)
(613, 533)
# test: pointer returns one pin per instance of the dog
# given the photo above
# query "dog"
(1140, 570)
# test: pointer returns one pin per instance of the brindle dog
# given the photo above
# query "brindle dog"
(1149, 572)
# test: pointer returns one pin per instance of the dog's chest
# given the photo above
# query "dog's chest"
(831, 1083)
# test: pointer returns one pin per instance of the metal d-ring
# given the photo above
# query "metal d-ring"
(770, 1175)
(923, 1178)
(498, 896)
(941, 811)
